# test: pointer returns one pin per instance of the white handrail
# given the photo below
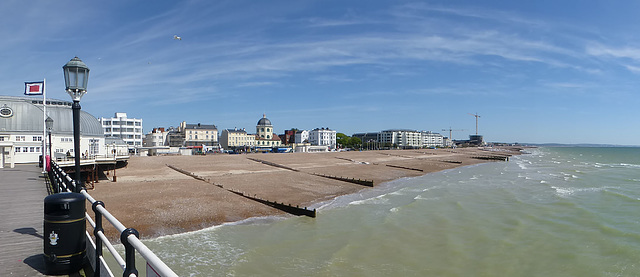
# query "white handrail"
(152, 259)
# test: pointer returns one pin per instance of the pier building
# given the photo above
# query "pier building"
(21, 131)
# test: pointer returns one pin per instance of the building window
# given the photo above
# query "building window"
(1, 138)
(32, 149)
(18, 149)
(20, 138)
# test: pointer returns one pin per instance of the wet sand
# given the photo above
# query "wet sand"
(157, 200)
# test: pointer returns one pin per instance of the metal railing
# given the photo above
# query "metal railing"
(62, 182)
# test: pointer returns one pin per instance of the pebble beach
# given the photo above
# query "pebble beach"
(153, 197)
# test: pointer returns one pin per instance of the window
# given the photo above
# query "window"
(32, 149)
(1, 138)
(18, 149)
(20, 138)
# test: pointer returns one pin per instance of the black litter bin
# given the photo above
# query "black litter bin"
(64, 232)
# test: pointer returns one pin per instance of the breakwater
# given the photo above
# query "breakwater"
(288, 208)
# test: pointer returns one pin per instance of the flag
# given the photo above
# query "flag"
(33, 88)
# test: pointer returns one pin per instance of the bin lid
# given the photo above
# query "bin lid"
(64, 197)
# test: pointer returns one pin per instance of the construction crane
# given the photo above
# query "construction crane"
(451, 130)
(477, 116)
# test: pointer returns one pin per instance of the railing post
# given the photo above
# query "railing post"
(97, 229)
(130, 252)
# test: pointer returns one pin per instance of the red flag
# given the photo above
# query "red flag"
(34, 88)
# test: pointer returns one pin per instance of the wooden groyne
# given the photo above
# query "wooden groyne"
(403, 167)
(367, 183)
(493, 158)
(449, 161)
(193, 175)
(274, 164)
(288, 208)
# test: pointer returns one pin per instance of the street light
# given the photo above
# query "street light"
(49, 124)
(76, 77)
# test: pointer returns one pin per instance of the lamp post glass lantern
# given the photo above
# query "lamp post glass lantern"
(76, 77)
(49, 124)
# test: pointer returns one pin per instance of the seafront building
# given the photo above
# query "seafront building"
(402, 138)
(232, 139)
(265, 136)
(430, 139)
(323, 137)
(128, 129)
(22, 139)
(192, 135)
(302, 136)
(157, 137)
(199, 134)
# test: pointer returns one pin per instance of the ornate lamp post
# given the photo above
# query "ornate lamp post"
(76, 77)
(49, 124)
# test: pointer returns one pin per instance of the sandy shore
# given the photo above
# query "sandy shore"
(158, 200)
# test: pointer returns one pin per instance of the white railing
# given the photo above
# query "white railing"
(62, 182)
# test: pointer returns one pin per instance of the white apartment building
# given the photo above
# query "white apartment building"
(157, 137)
(322, 137)
(401, 138)
(302, 136)
(120, 126)
(430, 139)
(236, 138)
(411, 138)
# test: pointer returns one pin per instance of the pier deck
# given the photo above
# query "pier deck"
(22, 193)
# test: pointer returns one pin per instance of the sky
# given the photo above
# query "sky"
(534, 71)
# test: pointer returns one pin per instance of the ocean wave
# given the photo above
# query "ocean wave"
(420, 197)
(564, 192)
(375, 200)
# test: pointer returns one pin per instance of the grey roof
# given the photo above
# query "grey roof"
(264, 122)
(201, 126)
(27, 116)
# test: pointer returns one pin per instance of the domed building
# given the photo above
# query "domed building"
(21, 131)
(265, 138)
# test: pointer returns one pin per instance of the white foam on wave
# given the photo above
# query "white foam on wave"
(420, 197)
(375, 200)
(564, 192)
(521, 165)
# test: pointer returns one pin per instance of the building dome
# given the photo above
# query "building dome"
(24, 114)
(264, 121)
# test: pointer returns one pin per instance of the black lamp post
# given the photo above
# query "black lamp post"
(76, 77)
(49, 124)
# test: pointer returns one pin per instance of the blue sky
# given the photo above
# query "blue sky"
(535, 71)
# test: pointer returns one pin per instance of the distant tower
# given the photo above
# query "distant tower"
(264, 129)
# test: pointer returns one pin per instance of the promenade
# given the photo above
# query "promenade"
(21, 217)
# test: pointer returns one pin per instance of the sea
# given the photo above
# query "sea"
(566, 211)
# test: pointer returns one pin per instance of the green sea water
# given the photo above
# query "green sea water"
(553, 212)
